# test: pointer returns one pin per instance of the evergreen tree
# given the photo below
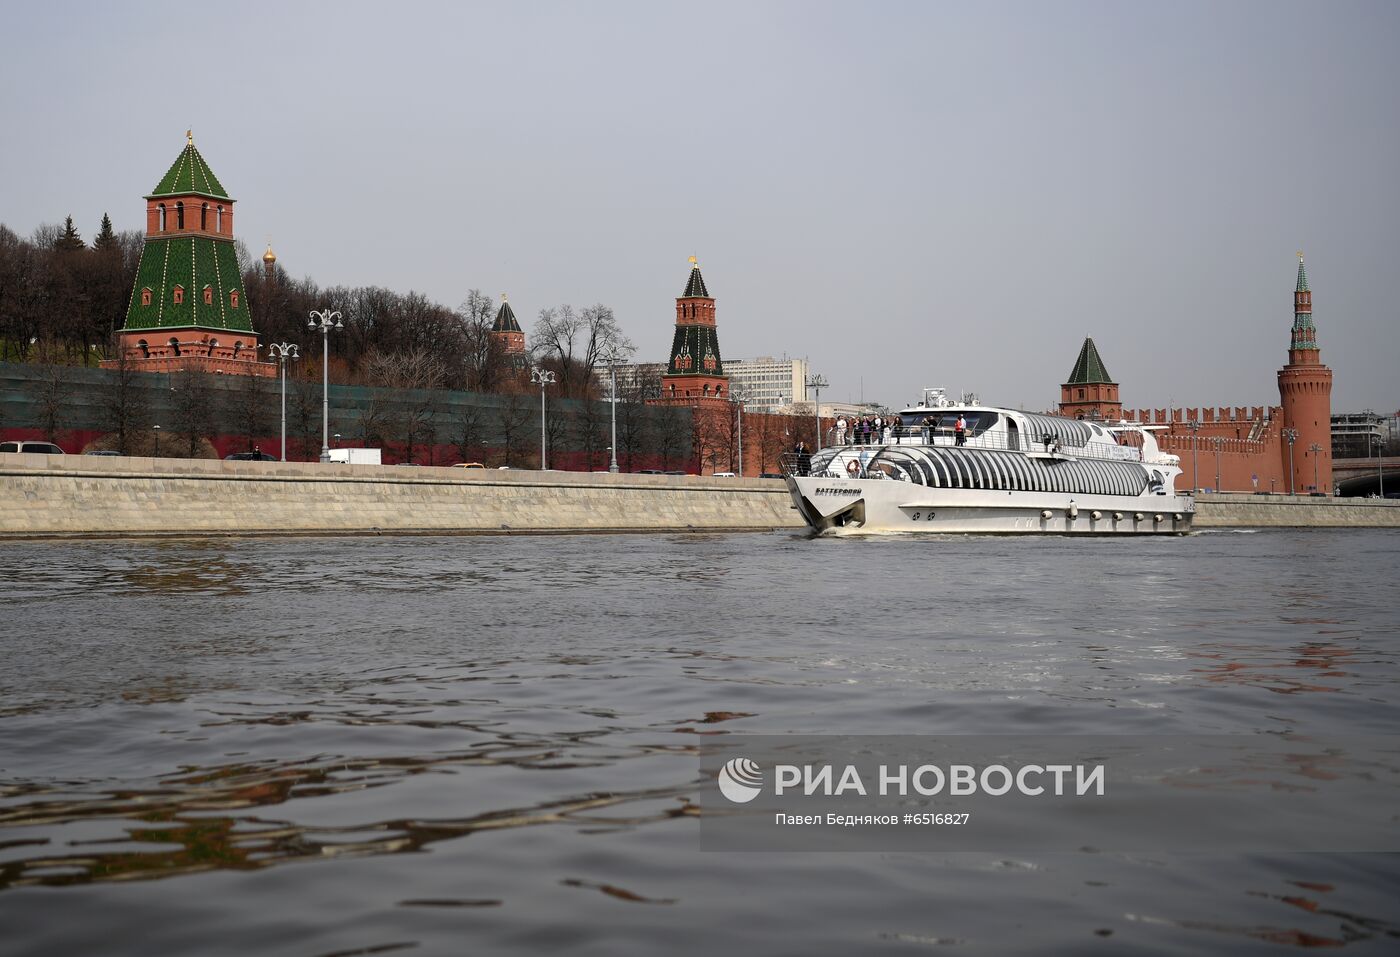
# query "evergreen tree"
(106, 238)
(70, 240)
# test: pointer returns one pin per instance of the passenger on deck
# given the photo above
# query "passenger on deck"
(960, 431)
(804, 458)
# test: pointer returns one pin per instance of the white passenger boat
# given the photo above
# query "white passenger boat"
(1010, 472)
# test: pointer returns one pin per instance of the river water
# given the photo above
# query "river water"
(333, 746)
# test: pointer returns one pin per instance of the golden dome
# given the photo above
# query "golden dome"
(269, 257)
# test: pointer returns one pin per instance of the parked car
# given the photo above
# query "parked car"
(250, 457)
(469, 465)
(101, 452)
(42, 448)
(725, 475)
(777, 475)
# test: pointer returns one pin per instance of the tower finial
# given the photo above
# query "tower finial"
(1300, 255)
(189, 137)
(694, 263)
(503, 297)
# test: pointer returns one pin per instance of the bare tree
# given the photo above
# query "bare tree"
(125, 409)
(574, 344)
(192, 411)
(470, 433)
(556, 426)
(673, 433)
(50, 394)
(484, 364)
(592, 425)
(252, 409)
(515, 427)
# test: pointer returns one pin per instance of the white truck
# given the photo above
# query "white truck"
(356, 456)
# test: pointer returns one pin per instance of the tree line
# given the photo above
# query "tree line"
(63, 299)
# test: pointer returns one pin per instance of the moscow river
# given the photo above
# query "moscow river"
(336, 746)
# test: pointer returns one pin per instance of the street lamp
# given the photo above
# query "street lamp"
(1195, 426)
(1314, 449)
(544, 377)
(816, 383)
(156, 430)
(1218, 443)
(1380, 472)
(322, 320)
(282, 351)
(612, 359)
(1290, 436)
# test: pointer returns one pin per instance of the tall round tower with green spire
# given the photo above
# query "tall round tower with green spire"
(1305, 392)
(188, 309)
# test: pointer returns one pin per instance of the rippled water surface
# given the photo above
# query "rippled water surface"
(451, 745)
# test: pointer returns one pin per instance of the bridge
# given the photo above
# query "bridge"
(1365, 476)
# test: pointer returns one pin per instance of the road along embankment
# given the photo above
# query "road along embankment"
(70, 495)
(1225, 509)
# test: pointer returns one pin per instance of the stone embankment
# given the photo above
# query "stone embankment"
(44, 496)
(82, 495)
(1227, 509)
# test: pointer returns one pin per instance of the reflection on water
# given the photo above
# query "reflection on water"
(493, 741)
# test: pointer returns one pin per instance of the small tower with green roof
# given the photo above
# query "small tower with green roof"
(695, 372)
(1090, 393)
(188, 309)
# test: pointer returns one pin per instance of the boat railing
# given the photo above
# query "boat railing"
(1001, 440)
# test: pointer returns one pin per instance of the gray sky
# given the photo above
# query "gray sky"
(910, 194)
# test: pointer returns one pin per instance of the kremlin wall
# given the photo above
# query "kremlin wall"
(1283, 449)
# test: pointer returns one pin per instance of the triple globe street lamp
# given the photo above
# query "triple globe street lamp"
(325, 320)
(544, 377)
(1290, 436)
(282, 351)
(816, 383)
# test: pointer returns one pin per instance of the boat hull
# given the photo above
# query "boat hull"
(851, 506)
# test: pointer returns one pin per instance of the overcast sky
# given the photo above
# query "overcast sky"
(909, 194)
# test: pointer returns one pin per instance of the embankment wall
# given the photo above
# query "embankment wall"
(43, 496)
(1295, 511)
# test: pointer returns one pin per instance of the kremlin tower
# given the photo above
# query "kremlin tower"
(1090, 393)
(188, 309)
(1305, 392)
(508, 337)
(695, 373)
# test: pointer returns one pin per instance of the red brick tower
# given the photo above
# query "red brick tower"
(509, 337)
(1305, 392)
(188, 309)
(695, 373)
(1090, 393)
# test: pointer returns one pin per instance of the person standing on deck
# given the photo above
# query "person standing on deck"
(960, 430)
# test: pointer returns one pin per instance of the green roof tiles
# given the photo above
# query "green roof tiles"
(1302, 277)
(189, 174)
(193, 264)
(1089, 368)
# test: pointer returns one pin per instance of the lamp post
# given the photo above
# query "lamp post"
(323, 320)
(544, 377)
(1315, 449)
(283, 351)
(1195, 426)
(1290, 436)
(1218, 443)
(816, 383)
(1380, 472)
(156, 430)
(611, 359)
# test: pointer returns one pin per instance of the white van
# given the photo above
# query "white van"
(41, 448)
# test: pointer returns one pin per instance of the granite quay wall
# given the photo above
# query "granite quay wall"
(69, 495)
(1295, 511)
